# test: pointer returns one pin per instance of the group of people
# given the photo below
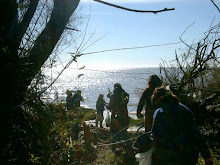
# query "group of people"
(119, 118)
(119, 112)
(117, 105)
(73, 101)
(169, 125)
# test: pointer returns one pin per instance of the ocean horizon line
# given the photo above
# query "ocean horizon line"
(100, 67)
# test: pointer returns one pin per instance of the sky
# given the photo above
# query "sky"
(109, 28)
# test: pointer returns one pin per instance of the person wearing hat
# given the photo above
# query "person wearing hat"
(145, 101)
(175, 135)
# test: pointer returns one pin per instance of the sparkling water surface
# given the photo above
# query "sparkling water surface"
(92, 82)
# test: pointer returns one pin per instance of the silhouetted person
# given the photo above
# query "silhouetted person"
(118, 107)
(145, 101)
(69, 101)
(77, 98)
(100, 107)
(176, 136)
(120, 119)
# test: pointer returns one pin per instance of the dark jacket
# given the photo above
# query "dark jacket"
(145, 100)
(69, 102)
(176, 136)
(118, 107)
(76, 100)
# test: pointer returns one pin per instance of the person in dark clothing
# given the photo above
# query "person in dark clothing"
(145, 100)
(175, 134)
(120, 119)
(77, 98)
(118, 107)
(100, 107)
(69, 101)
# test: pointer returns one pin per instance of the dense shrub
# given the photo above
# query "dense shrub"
(48, 134)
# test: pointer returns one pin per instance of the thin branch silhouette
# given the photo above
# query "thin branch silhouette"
(215, 5)
(133, 10)
(129, 48)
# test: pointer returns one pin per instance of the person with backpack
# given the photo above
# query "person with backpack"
(118, 107)
(176, 137)
(120, 121)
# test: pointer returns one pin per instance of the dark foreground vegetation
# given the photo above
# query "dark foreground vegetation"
(51, 135)
(36, 132)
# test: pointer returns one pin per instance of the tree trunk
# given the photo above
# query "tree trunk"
(8, 51)
(16, 78)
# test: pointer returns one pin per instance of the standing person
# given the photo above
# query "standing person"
(145, 101)
(120, 120)
(118, 107)
(100, 107)
(176, 136)
(76, 99)
(69, 101)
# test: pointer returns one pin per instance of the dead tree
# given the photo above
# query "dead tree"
(194, 77)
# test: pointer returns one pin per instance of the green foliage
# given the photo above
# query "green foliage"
(215, 158)
(136, 121)
(34, 160)
(90, 114)
(49, 134)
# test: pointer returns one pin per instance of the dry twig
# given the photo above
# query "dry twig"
(133, 10)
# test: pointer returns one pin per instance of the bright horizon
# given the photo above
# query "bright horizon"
(111, 28)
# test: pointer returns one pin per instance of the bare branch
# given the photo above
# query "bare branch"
(133, 10)
(183, 34)
(51, 34)
(22, 27)
(179, 63)
(69, 28)
(215, 5)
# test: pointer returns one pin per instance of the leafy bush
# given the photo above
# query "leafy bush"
(48, 135)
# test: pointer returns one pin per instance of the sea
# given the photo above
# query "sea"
(93, 82)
